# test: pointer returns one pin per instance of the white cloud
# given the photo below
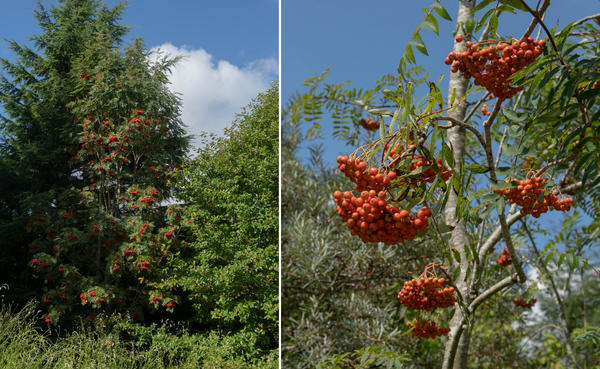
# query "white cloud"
(212, 91)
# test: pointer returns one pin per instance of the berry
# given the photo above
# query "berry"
(369, 124)
(492, 66)
(426, 329)
(524, 304)
(504, 259)
(372, 219)
(527, 194)
(426, 293)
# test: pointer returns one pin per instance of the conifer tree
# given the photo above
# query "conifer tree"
(36, 126)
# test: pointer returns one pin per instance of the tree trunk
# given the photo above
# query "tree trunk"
(459, 239)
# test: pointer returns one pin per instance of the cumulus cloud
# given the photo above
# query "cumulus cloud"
(212, 92)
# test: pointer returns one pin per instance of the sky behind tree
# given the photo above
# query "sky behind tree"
(230, 49)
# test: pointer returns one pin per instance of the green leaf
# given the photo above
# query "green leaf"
(506, 8)
(588, 94)
(581, 162)
(419, 170)
(568, 91)
(590, 171)
(515, 130)
(547, 77)
(549, 257)
(409, 54)
(433, 186)
(394, 121)
(441, 11)
(386, 112)
(417, 41)
(490, 196)
(493, 25)
(431, 24)
(550, 116)
(455, 184)
(448, 155)
(453, 96)
(535, 81)
(477, 168)
(456, 254)
(500, 205)
(482, 5)
(515, 4)
(483, 21)
(504, 171)
(513, 115)
(528, 151)
(509, 150)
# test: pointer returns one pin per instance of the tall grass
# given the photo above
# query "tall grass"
(25, 346)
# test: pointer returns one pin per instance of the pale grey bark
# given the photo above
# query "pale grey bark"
(457, 345)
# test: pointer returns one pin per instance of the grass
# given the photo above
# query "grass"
(23, 345)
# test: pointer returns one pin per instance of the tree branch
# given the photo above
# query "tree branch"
(456, 122)
(511, 248)
(513, 278)
(541, 22)
(501, 217)
(556, 162)
(583, 20)
(488, 139)
(534, 21)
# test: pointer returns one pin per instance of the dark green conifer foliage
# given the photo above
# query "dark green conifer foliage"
(36, 124)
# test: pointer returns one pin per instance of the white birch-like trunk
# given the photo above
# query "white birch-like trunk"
(459, 239)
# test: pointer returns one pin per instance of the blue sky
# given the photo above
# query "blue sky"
(231, 48)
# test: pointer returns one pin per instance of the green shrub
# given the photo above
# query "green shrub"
(25, 346)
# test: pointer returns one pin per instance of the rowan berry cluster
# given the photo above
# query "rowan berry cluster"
(527, 194)
(371, 179)
(369, 124)
(524, 304)
(426, 329)
(418, 161)
(372, 219)
(426, 294)
(484, 110)
(492, 66)
(370, 215)
(429, 174)
(504, 259)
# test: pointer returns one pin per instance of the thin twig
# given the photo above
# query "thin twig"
(513, 278)
(583, 20)
(533, 12)
(488, 139)
(456, 122)
(534, 21)
(476, 107)
(510, 247)
(556, 162)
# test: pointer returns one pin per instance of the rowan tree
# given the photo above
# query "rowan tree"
(449, 184)
(97, 232)
(37, 125)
